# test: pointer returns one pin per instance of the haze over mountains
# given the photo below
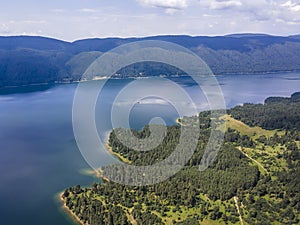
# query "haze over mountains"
(32, 60)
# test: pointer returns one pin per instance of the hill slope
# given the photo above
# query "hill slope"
(30, 60)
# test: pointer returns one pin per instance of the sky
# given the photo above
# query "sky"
(78, 19)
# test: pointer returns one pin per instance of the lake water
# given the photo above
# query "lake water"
(38, 153)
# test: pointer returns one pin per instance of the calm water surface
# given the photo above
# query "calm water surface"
(39, 156)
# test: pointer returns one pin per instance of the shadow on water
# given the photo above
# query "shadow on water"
(25, 89)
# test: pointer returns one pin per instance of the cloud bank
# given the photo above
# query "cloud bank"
(86, 19)
(168, 4)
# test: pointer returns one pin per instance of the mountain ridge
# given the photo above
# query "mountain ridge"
(34, 59)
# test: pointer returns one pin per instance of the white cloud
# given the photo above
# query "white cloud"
(168, 4)
(86, 10)
(4, 29)
(224, 4)
(127, 18)
(34, 21)
(254, 10)
(58, 10)
(171, 11)
(291, 6)
(27, 22)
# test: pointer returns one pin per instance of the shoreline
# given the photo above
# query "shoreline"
(178, 122)
(69, 212)
(120, 157)
(95, 173)
(98, 173)
(216, 74)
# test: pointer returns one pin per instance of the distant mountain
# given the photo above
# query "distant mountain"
(37, 43)
(295, 36)
(29, 60)
(247, 35)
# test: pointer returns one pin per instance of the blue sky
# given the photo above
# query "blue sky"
(77, 19)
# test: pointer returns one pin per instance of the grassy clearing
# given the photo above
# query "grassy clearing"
(266, 157)
(210, 222)
(244, 129)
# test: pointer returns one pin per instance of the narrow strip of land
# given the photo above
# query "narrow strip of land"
(120, 157)
(255, 161)
(178, 121)
(70, 212)
(131, 218)
(236, 200)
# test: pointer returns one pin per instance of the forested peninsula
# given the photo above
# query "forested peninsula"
(255, 178)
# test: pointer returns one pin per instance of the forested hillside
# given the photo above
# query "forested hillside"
(276, 113)
(31, 60)
(255, 178)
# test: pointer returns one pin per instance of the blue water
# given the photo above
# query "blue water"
(38, 153)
